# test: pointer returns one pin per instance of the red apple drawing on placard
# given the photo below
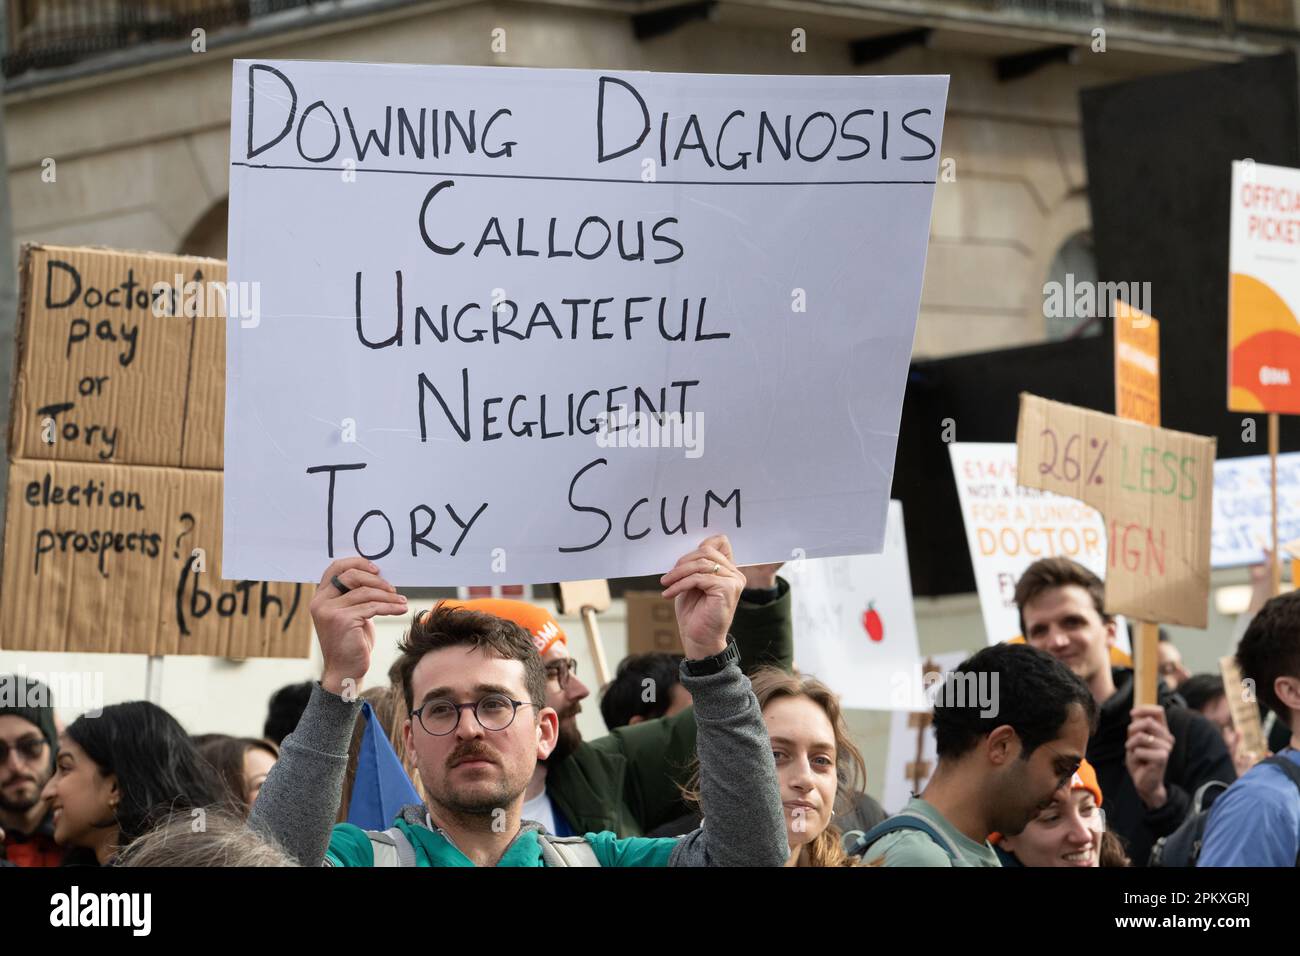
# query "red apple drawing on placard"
(874, 625)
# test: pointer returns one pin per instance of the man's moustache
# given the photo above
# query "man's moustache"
(470, 754)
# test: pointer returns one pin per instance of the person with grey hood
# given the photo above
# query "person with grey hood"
(466, 677)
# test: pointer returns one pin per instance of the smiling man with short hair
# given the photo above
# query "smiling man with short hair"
(1149, 760)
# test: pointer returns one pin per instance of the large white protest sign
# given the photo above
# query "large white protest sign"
(1009, 527)
(854, 625)
(1242, 524)
(462, 271)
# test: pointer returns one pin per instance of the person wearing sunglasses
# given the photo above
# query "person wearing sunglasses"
(474, 686)
(28, 744)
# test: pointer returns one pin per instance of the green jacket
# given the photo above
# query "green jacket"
(629, 781)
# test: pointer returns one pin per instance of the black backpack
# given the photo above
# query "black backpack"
(1183, 846)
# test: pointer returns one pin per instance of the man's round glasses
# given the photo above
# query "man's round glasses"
(440, 716)
(562, 670)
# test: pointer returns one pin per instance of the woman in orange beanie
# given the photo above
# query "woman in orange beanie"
(1070, 832)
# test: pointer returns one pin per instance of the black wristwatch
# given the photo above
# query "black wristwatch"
(712, 665)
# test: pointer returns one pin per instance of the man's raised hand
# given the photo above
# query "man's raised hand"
(1147, 751)
(342, 620)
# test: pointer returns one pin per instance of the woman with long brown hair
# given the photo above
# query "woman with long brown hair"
(242, 763)
(816, 762)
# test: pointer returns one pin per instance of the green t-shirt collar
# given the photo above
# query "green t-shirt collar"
(960, 841)
(433, 847)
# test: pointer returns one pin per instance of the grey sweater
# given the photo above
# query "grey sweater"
(744, 820)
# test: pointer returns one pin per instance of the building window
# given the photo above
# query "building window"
(1074, 264)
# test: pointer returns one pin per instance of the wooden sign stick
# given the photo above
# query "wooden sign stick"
(1146, 664)
(1137, 398)
(918, 769)
(1275, 565)
(586, 598)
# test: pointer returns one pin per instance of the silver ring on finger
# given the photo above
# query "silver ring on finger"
(334, 580)
(716, 566)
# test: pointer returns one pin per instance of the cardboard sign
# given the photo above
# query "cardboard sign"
(854, 625)
(1153, 487)
(651, 624)
(1137, 365)
(121, 367)
(1009, 527)
(1243, 707)
(124, 559)
(120, 360)
(1264, 290)
(544, 325)
(1242, 527)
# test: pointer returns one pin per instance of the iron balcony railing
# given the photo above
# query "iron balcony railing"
(51, 33)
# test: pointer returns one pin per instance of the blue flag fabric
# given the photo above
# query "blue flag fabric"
(381, 787)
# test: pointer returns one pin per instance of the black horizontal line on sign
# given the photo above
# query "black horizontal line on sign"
(595, 179)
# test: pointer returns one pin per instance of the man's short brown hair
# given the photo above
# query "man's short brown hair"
(443, 627)
(1270, 649)
(1048, 573)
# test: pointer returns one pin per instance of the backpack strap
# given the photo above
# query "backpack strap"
(849, 840)
(905, 821)
(391, 847)
(1287, 766)
(1201, 799)
(566, 851)
(1292, 770)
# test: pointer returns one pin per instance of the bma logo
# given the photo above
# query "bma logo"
(546, 634)
(1274, 376)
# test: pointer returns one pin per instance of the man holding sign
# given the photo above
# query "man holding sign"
(475, 689)
(1153, 488)
(630, 780)
(1149, 759)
